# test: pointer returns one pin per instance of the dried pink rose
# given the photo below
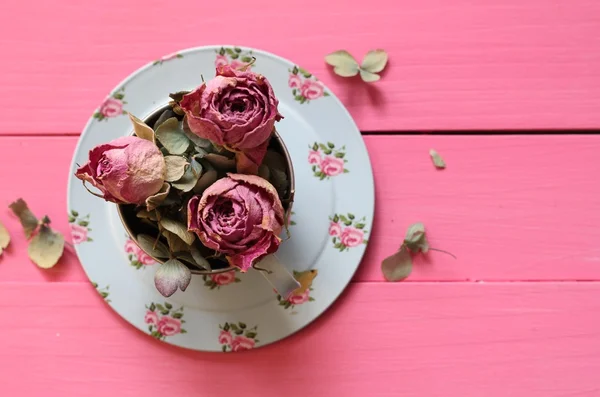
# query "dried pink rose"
(240, 216)
(236, 109)
(125, 170)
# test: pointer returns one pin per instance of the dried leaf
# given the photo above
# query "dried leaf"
(28, 220)
(185, 256)
(199, 260)
(141, 129)
(172, 137)
(279, 181)
(220, 162)
(46, 247)
(398, 266)
(437, 159)
(164, 116)
(374, 61)
(158, 198)
(415, 239)
(178, 96)
(4, 238)
(176, 244)
(172, 275)
(190, 177)
(179, 228)
(208, 178)
(144, 214)
(274, 160)
(263, 172)
(147, 244)
(175, 167)
(198, 141)
(343, 63)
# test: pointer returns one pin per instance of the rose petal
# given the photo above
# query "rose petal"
(172, 275)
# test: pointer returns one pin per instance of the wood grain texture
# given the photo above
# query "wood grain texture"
(465, 64)
(509, 207)
(414, 340)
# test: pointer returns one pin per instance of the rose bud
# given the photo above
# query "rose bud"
(126, 170)
(237, 109)
(240, 216)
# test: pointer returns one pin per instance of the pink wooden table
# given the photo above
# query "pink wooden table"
(516, 315)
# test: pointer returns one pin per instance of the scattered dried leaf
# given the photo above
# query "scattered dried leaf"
(345, 65)
(4, 238)
(46, 247)
(397, 266)
(27, 218)
(437, 159)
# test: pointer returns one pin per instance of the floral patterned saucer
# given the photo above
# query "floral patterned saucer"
(330, 225)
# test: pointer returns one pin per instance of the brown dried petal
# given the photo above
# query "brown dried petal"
(157, 199)
(141, 129)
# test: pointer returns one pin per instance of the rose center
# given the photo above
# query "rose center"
(238, 107)
(103, 166)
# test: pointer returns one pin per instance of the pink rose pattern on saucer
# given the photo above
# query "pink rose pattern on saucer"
(167, 58)
(216, 281)
(327, 160)
(305, 87)
(112, 106)
(235, 57)
(79, 227)
(298, 298)
(346, 231)
(164, 321)
(237, 337)
(104, 292)
(137, 257)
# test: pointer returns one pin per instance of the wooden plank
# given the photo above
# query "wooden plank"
(467, 64)
(426, 339)
(509, 207)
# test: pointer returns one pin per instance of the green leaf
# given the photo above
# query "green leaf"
(343, 218)
(177, 315)
(346, 171)
(242, 325)
(160, 307)
(71, 219)
(397, 266)
(229, 51)
(141, 129)
(331, 145)
(83, 223)
(196, 140)
(351, 216)
(189, 179)
(46, 247)
(147, 244)
(199, 260)
(325, 93)
(327, 151)
(222, 51)
(172, 275)
(438, 162)
(152, 307)
(295, 70)
(168, 305)
(348, 223)
(234, 56)
(224, 348)
(26, 217)
(315, 147)
(178, 228)
(171, 136)
(237, 49)
(175, 167)
(234, 327)
(340, 155)
(251, 335)
(246, 59)
(183, 331)
(336, 218)
(359, 225)
(74, 213)
(165, 312)
(119, 95)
